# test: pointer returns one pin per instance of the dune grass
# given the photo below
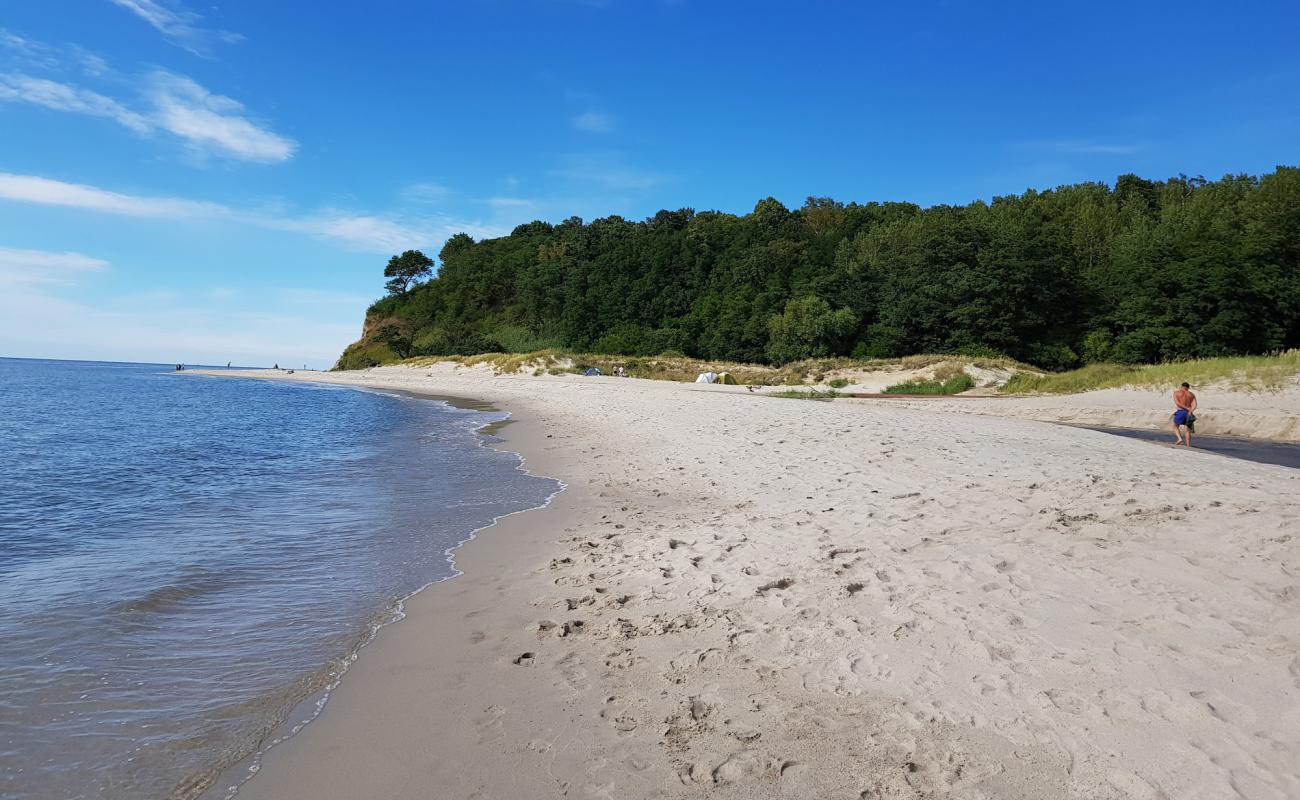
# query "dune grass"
(953, 385)
(677, 367)
(807, 394)
(1249, 373)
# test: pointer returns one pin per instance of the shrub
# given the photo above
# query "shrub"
(455, 342)
(881, 341)
(808, 394)
(1097, 346)
(954, 385)
(361, 356)
(839, 383)
(808, 328)
(518, 339)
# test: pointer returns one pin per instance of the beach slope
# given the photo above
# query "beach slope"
(743, 596)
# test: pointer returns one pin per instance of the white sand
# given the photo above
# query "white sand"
(1263, 415)
(743, 596)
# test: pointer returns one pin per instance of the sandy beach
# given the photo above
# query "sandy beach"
(742, 596)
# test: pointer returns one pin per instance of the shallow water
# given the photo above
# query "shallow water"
(185, 559)
(1285, 454)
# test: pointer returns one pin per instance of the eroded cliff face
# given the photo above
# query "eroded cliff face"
(367, 351)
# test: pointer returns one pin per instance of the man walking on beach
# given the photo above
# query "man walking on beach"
(1184, 416)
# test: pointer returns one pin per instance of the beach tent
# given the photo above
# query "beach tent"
(726, 377)
(592, 371)
(707, 377)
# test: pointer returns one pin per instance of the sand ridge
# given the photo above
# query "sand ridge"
(744, 596)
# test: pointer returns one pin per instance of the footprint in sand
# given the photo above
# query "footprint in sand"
(491, 726)
(619, 716)
(739, 768)
(571, 670)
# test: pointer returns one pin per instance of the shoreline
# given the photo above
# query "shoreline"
(741, 596)
(232, 779)
(423, 607)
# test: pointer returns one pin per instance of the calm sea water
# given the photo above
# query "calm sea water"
(185, 560)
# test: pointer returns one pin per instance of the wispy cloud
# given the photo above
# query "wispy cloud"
(323, 297)
(1082, 147)
(594, 122)
(62, 97)
(19, 51)
(25, 49)
(181, 328)
(43, 191)
(209, 124)
(179, 25)
(425, 193)
(362, 232)
(509, 202)
(607, 171)
(367, 232)
(43, 266)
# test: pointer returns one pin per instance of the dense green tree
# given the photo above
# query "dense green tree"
(405, 269)
(1143, 271)
(808, 328)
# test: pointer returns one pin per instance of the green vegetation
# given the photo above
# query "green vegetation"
(677, 367)
(954, 385)
(808, 394)
(1241, 372)
(1141, 272)
(405, 269)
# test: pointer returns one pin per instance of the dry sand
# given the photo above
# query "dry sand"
(742, 596)
(1262, 415)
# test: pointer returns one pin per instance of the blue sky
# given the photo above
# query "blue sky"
(182, 181)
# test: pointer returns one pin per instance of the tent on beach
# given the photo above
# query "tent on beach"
(716, 377)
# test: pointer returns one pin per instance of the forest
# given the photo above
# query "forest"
(1141, 272)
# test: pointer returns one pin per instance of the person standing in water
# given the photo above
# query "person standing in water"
(1184, 417)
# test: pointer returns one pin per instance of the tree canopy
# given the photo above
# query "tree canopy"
(405, 269)
(1141, 272)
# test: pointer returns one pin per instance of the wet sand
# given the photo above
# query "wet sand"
(743, 596)
(1284, 454)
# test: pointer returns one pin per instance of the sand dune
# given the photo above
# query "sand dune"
(743, 596)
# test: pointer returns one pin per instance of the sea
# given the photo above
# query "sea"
(189, 564)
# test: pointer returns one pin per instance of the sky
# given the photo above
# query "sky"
(189, 182)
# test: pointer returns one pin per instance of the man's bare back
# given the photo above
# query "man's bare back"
(1184, 408)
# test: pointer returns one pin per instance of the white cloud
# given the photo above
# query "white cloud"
(16, 43)
(43, 266)
(365, 232)
(179, 25)
(141, 328)
(357, 231)
(210, 121)
(61, 97)
(43, 191)
(594, 122)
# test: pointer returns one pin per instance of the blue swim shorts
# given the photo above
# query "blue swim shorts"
(1180, 417)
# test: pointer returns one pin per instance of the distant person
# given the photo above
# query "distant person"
(1184, 415)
